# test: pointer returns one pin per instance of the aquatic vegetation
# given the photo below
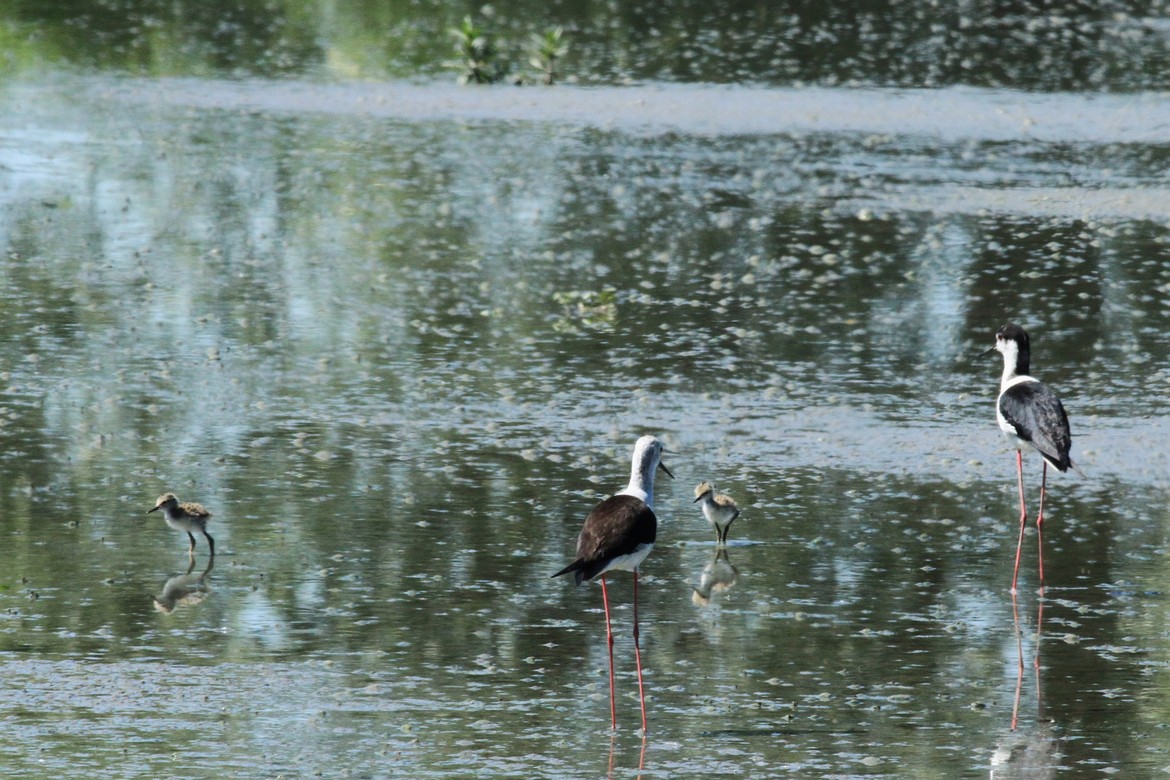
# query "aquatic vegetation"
(477, 61)
(586, 309)
(480, 61)
(545, 50)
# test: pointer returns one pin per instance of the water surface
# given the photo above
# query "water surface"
(400, 338)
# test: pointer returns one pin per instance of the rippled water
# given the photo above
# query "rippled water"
(400, 342)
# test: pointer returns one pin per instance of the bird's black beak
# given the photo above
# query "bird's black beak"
(148, 511)
(662, 466)
(987, 353)
(697, 500)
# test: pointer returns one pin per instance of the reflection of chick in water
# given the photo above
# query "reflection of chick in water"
(718, 575)
(185, 588)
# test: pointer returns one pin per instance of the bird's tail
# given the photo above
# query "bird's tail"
(577, 567)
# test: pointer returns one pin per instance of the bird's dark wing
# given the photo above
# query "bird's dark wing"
(1039, 418)
(617, 526)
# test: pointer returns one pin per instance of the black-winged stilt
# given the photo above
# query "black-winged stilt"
(185, 517)
(1030, 415)
(719, 509)
(617, 535)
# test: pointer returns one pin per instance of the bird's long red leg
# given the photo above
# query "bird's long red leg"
(638, 655)
(609, 643)
(1040, 521)
(1023, 517)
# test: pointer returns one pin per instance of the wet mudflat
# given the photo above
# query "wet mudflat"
(400, 342)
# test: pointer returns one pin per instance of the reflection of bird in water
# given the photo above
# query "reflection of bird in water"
(718, 575)
(1030, 415)
(1033, 752)
(612, 748)
(185, 588)
(185, 517)
(1020, 658)
(1028, 754)
(719, 509)
(618, 534)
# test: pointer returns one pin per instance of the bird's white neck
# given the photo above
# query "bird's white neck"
(1011, 358)
(641, 485)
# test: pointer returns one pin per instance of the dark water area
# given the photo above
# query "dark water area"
(1042, 47)
(399, 336)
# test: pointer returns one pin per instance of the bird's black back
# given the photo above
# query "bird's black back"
(617, 526)
(1039, 418)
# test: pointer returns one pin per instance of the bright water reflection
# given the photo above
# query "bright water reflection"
(384, 354)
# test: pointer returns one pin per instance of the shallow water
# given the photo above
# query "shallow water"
(400, 339)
